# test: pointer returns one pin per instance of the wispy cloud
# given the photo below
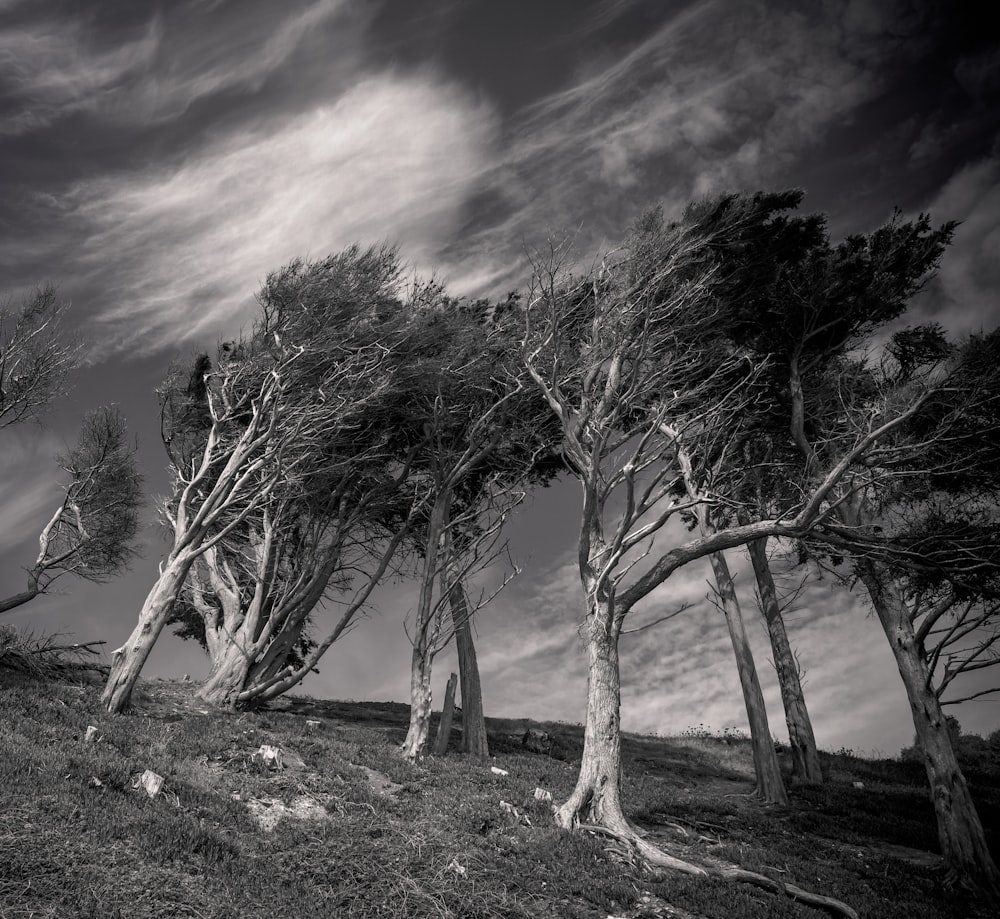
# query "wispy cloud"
(53, 69)
(55, 66)
(714, 99)
(180, 251)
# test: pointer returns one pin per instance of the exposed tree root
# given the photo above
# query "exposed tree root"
(649, 856)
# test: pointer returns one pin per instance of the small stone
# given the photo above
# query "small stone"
(269, 755)
(91, 735)
(150, 781)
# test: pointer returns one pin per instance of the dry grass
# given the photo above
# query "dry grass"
(383, 838)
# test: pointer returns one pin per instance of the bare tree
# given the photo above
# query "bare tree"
(35, 358)
(91, 534)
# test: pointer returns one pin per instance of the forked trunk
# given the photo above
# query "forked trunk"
(127, 662)
(474, 740)
(801, 740)
(228, 676)
(960, 831)
(597, 796)
(770, 787)
(415, 744)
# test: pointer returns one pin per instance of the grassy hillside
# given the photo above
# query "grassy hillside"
(345, 828)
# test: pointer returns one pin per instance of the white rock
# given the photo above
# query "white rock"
(150, 781)
(269, 755)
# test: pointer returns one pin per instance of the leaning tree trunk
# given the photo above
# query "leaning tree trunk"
(415, 744)
(765, 761)
(474, 740)
(127, 662)
(805, 758)
(960, 831)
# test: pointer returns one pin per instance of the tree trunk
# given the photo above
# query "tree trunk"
(960, 832)
(415, 743)
(474, 740)
(597, 796)
(447, 713)
(227, 677)
(769, 784)
(127, 662)
(805, 758)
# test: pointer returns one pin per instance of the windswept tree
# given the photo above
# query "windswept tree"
(280, 413)
(92, 532)
(640, 346)
(35, 357)
(486, 431)
(813, 326)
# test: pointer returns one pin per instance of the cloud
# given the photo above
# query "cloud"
(27, 500)
(178, 252)
(964, 294)
(57, 66)
(53, 69)
(714, 99)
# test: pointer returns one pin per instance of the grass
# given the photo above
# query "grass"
(78, 840)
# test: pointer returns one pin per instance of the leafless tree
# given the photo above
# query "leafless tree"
(91, 534)
(35, 357)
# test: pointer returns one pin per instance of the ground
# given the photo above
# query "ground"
(345, 827)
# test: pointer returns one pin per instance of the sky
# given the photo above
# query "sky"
(157, 160)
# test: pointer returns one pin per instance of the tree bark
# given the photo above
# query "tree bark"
(447, 713)
(228, 676)
(13, 602)
(801, 740)
(596, 799)
(417, 735)
(127, 662)
(960, 831)
(474, 739)
(770, 787)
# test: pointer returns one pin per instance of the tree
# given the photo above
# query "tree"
(801, 739)
(770, 787)
(485, 429)
(812, 324)
(299, 400)
(34, 358)
(642, 345)
(91, 533)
